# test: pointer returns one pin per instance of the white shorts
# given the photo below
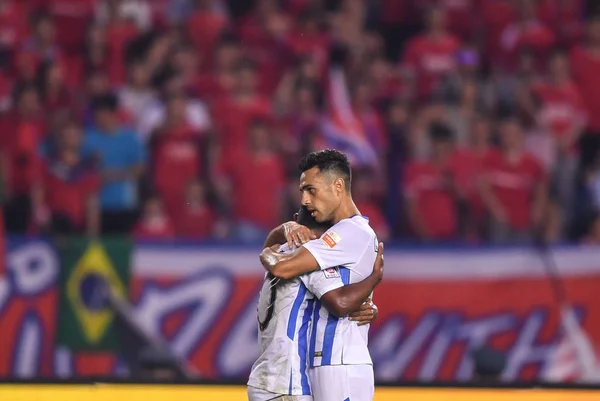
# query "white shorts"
(342, 383)
(257, 394)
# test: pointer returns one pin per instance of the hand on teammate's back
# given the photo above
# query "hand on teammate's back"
(368, 310)
(366, 314)
(297, 234)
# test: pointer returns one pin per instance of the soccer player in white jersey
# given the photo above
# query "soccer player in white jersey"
(285, 309)
(341, 367)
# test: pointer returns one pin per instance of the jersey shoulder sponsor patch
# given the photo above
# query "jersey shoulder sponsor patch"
(331, 238)
(331, 272)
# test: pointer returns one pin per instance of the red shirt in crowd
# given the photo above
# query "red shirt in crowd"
(13, 24)
(565, 18)
(394, 12)
(430, 59)
(533, 36)
(72, 19)
(562, 108)
(204, 29)
(315, 45)
(462, 15)
(377, 220)
(117, 37)
(258, 183)
(67, 193)
(176, 161)
(154, 229)
(513, 185)
(6, 88)
(466, 166)
(209, 86)
(426, 185)
(585, 66)
(19, 141)
(233, 121)
(496, 16)
(194, 221)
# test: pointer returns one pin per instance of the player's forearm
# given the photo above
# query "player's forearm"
(349, 298)
(274, 262)
(287, 266)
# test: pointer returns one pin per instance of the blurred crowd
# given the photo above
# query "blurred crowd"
(467, 120)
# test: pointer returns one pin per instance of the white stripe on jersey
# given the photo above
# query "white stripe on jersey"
(283, 336)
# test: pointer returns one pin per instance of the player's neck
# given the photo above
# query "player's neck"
(346, 210)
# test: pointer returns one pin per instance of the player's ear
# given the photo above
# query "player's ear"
(296, 216)
(339, 185)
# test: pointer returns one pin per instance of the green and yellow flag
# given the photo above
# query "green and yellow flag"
(91, 268)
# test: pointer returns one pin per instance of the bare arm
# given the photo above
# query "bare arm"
(350, 298)
(287, 266)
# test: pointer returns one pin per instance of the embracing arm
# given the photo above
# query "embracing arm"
(287, 266)
(350, 298)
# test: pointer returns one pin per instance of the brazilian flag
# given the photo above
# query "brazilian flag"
(90, 269)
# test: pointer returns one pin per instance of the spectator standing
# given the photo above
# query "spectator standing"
(155, 115)
(65, 199)
(56, 96)
(513, 188)
(122, 157)
(562, 111)
(72, 17)
(42, 43)
(526, 32)
(247, 105)
(466, 164)
(137, 95)
(22, 130)
(205, 24)
(256, 212)
(585, 63)
(428, 190)
(138, 11)
(178, 154)
(13, 25)
(562, 116)
(429, 57)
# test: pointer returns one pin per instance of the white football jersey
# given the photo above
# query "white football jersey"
(347, 250)
(285, 308)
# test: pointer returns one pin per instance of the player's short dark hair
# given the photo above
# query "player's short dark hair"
(305, 219)
(329, 160)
